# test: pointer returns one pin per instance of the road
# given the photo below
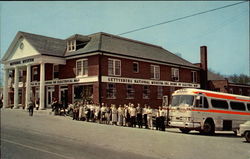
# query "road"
(45, 136)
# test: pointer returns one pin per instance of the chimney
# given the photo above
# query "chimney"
(203, 74)
(203, 56)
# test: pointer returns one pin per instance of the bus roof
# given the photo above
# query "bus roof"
(214, 94)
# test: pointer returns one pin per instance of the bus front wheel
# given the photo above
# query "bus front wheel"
(184, 130)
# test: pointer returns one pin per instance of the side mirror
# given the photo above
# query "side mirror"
(198, 98)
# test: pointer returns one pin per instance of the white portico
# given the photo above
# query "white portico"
(18, 61)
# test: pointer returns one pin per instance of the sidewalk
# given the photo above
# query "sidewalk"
(45, 111)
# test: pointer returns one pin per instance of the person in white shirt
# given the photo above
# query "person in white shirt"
(120, 115)
(114, 114)
(133, 115)
(145, 116)
(97, 113)
(103, 112)
(149, 117)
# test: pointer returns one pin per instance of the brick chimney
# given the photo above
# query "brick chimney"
(204, 70)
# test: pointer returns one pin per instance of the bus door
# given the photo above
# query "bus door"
(201, 103)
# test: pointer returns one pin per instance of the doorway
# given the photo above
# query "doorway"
(64, 95)
(50, 95)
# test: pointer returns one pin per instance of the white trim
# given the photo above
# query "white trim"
(138, 67)
(110, 79)
(65, 81)
(82, 68)
(173, 70)
(62, 89)
(194, 80)
(154, 71)
(53, 71)
(114, 60)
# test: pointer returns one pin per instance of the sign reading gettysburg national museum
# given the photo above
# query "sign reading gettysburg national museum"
(118, 80)
(148, 82)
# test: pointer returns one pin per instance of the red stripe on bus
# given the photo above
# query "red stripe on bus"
(221, 111)
(222, 96)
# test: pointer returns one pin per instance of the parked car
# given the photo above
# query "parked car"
(245, 130)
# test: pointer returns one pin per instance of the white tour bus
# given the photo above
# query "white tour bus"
(207, 111)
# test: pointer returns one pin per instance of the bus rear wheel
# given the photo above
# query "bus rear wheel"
(184, 130)
(247, 136)
(208, 128)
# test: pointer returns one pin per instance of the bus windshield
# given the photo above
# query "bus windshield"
(178, 100)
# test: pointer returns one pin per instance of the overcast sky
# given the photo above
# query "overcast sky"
(225, 32)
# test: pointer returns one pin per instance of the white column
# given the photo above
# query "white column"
(5, 88)
(42, 86)
(16, 87)
(28, 77)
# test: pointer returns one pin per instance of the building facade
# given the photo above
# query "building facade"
(100, 67)
(221, 84)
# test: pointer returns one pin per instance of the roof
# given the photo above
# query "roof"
(107, 43)
(212, 76)
(79, 37)
(46, 45)
(127, 47)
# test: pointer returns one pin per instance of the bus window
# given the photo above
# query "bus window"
(205, 103)
(238, 106)
(178, 100)
(201, 102)
(221, 104)
(248, 106)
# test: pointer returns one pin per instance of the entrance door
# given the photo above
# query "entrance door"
(64, 95)
(50, 92)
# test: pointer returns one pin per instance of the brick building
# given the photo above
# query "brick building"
(221, 84)
(100, 67)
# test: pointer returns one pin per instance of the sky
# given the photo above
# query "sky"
(225, 32)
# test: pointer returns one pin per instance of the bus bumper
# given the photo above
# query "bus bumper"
(189, 125)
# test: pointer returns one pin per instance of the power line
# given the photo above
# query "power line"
(188, 16)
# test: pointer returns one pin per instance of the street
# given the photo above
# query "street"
(47, 136)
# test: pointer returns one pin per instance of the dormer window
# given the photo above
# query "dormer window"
(71, 45)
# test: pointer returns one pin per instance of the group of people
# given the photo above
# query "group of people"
(124, 115)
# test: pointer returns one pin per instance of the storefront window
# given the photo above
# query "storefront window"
(83, 92)
(111, 91)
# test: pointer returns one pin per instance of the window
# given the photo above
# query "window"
(146, 92)
(221, 104)
(238, 106)
(35, 73)
(114, 67)
(20, 75)
(231, 90)
(111, 91)
(71, 45)
(130, 92)
(178, 100)
(194, 76)
(159, 92)
(56, 71)
(135, 67)
(175, 74)
(83, 92)
(155, 71)
(248, 106)
(82, 67)
(240, 91)
(202, 102)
